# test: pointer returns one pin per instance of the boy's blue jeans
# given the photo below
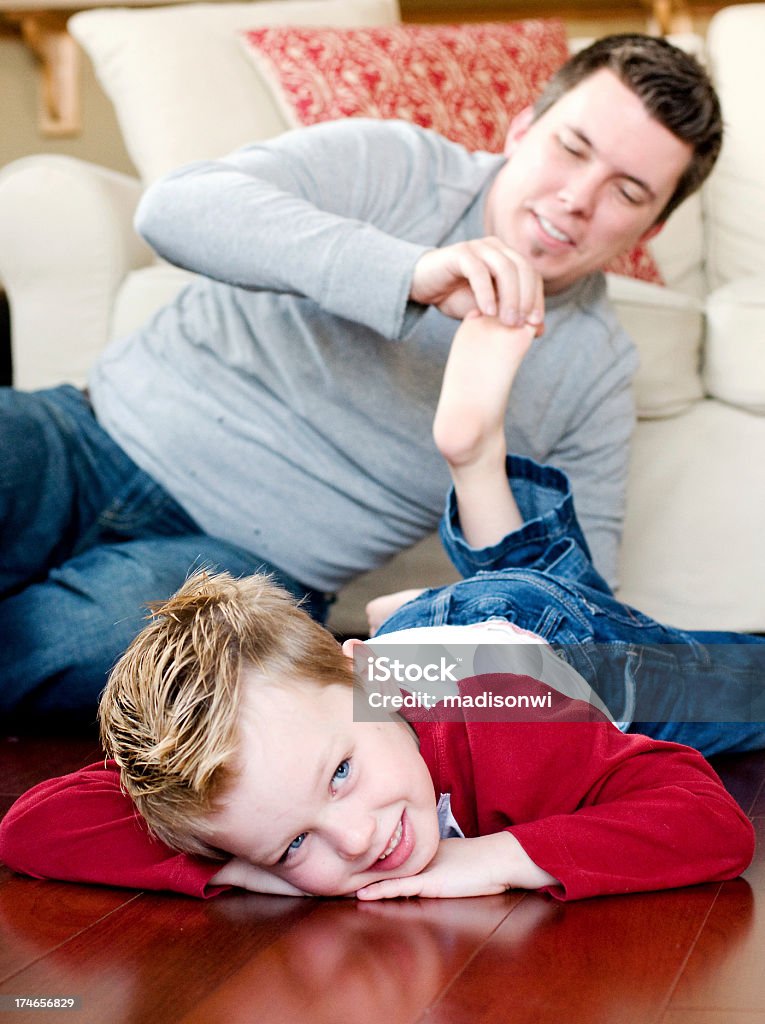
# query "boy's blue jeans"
(87, 540)
(671, 684)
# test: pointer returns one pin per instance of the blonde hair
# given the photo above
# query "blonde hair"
(169, 713)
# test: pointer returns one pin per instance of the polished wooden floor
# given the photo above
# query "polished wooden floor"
(692, 956)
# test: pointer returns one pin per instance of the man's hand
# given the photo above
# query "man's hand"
(247, 876)
(484, 276)
(467, 867)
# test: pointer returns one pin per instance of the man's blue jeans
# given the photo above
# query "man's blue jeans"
(87, 541)
(671, 684)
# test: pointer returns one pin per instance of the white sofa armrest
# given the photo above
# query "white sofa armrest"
(68, 242)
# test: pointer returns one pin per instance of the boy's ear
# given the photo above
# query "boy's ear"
(519, 125)
(349, 646)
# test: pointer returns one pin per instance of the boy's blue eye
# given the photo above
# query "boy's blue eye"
(341, 773)
(296, 843)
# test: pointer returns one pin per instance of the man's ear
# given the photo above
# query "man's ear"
(652, 232)
(349, 646)
(519, 125)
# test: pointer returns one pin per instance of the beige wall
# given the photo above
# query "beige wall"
(100, 140)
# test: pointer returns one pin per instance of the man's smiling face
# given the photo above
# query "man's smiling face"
(324, 802)
(584, 182)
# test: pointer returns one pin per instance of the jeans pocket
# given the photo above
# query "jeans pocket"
(607, 609)
(550, 626)
(143, 508)
(611, 669)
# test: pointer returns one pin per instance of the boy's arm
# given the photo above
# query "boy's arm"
(651, 816)
(597, 811)
(83, 828)
(244, 875)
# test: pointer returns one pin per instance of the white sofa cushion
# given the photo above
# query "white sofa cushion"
(180, 83)
(693, 545)
(678, 249)
(735, 196)
(667, 328)
(144, 292)
(734, 368)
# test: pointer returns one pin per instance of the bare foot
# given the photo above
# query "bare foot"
(470, 419)
(381, 608)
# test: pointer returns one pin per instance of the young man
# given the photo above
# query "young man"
(277, 415)
(232, 725)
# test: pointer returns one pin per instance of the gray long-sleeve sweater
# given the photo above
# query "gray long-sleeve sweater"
(285, 398)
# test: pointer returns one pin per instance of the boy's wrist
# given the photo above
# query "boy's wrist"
(516, 870)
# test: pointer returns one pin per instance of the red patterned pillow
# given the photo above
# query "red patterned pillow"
(639, 263)
(466, 82)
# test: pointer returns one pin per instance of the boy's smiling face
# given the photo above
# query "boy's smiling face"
(326, 803)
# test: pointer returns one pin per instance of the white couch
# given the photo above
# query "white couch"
(77, 275)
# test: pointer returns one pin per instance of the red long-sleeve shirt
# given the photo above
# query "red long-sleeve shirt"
(601, 811)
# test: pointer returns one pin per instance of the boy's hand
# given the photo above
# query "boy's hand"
(248, 876)
(467, 867)
(484, 276)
